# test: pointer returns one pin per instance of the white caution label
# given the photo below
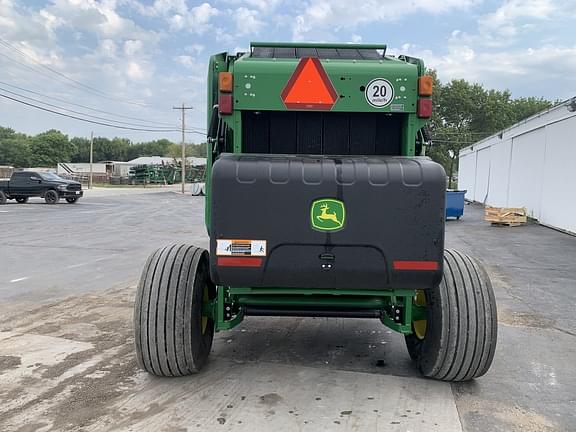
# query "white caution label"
(379, 92)
(240, 247)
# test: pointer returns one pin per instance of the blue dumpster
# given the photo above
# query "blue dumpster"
(454, 203)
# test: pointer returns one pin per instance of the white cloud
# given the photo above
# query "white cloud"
(534, 71)
(16, 23)
(515, 20)
(195, 48)
(111, 64)
(199, 18)
(509, 49)
(107, 48)
(329, 15)
(176, 22)
(186, 61)
(247, 21)
(266, 6)
(135, 71)
(223, 38)
(356, 38)
(132, 47)
(98, 17)
(160, 8)
(510, 11)
(51, 21)
(178, 15)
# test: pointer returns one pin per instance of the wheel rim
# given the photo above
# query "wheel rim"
(419, 326)
(205, 300)
(51, 197)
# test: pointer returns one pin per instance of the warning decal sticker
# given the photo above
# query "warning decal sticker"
(241, 247)
(379, 92)
(309, 87)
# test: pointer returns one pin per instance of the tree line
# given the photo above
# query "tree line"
(49, 148)
(463, 113)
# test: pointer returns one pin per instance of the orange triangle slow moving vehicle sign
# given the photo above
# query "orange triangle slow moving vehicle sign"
(309, 87)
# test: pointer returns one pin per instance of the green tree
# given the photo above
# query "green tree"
(526, 107)
(82, 146)
(51, 147)
(151, 148)
(15, 151)
(465, 113)
(192, 150)
(6, 133)
(198, 150)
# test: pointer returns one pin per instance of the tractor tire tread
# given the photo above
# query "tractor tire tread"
(463, 332)
(164, 318)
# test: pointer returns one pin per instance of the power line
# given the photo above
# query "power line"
(85, 87)
(84, 106)
(190, 130)
(92, 121)
(4, 43)
(92, 109)
(76, 112)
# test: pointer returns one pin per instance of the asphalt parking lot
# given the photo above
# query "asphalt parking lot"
(67, 282)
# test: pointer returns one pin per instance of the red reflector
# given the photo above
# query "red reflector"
(424, 109)
(239, 262)
(309, 87)
(415, 265)
(225, 104)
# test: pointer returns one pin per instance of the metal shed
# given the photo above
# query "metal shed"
(531, 164)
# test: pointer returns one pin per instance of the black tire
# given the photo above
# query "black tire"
(22, 200)
(3, 198)
(169, 334)
(51, 197)
(71, 200)
(196, 189)
(461, 325)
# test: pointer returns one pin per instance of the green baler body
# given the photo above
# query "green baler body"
(258, 84)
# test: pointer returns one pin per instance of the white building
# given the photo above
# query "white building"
(531, 164)
(159, 160)
(80, 168)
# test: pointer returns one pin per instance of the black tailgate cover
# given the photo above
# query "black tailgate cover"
(350, 222)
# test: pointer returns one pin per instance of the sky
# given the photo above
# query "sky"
(132, 61)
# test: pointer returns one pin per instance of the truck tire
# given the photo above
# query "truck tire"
(71, 200)
(196, 189)
(458, 338)
(172, 336)
(2, 198)
(51, 197)
(22, 200)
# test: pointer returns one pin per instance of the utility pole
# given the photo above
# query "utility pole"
(183, 109)
(91, 158)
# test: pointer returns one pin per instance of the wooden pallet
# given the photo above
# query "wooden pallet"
(511, 224)
(505, 216)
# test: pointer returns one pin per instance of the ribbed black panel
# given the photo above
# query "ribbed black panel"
(324, 53)
(330, 133)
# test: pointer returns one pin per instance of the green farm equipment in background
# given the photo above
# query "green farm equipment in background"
(166, 174)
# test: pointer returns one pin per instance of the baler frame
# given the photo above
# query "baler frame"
(394, 308)
(445, 309)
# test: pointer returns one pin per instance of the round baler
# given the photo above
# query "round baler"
(319, 203)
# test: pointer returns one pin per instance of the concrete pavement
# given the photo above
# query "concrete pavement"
(67, 362)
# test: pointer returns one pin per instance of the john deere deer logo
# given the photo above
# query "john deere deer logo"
(327, 214)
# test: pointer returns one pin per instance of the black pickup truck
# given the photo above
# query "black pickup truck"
(25, 184)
